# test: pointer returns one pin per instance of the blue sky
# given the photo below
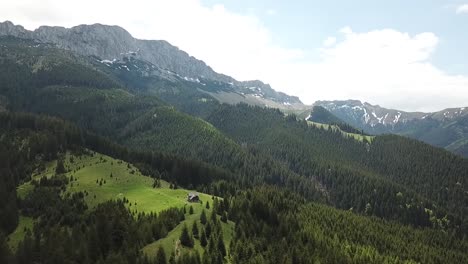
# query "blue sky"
(305, 23)
(409, 55)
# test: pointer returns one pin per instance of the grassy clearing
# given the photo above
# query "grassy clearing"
(105, 178)
(24, 224)
(126, 181)
(170, 242)
(358, 137)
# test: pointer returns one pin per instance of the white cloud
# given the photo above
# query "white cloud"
(387, 67)
(462, 9)
(330, 41)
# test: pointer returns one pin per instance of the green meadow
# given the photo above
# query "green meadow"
(358, 137)
(24, 224)
(104, 178)
(170, 242)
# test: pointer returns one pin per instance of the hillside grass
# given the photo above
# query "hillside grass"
(119, 179)
(87, 171)
(358, 137)
(170, 242)
(17, 236)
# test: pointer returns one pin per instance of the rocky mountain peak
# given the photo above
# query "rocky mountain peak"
(113, 42)
(375, 118)
(7, 28)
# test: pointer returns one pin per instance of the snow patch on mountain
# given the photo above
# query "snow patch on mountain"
(108, 61)
(397, 118)
(366, 116)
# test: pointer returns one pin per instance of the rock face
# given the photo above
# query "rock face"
(9, 29)
(111, 42)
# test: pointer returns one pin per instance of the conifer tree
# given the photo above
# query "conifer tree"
(191, 210)
(195, 229)
(161, 256)
(203, 217)
(224, 217)
(221, 246)
(185, 238)
(203, 240)
(213, 216)
(208, 230)
(60, 169)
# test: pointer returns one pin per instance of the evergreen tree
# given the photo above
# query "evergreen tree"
(203, 217)
(213, 216)
(185, 238)
(161, 256)
(221, 246)
(60, 169)
(212, 245)
(224, 217)
(203, 240)
(195, 229)
(208, 230)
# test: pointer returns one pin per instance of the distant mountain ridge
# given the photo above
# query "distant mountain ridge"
(447, 128)
(182, 80)
(111, 43)
(398, 186)
(374, 115)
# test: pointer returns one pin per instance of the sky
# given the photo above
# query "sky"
(408, 55)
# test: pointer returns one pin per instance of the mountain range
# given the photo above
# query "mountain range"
(113, 44)
(446, 128)
(158, 60)
(101, 142)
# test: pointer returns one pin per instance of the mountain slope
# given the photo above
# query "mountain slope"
(321, 115)
(447, 128)
(406, 200)
(255, 145)
(312, 233)
(134, 118)
(357, 173)
(305, 232)
(112, 43)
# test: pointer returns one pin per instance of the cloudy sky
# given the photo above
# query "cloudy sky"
(410, 55)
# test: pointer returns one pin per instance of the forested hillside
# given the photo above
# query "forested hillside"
(447, 128)
(361, 176)
(321, 115)
(282, 189)
(311, 233)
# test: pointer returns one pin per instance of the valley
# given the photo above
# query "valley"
(99, 150)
